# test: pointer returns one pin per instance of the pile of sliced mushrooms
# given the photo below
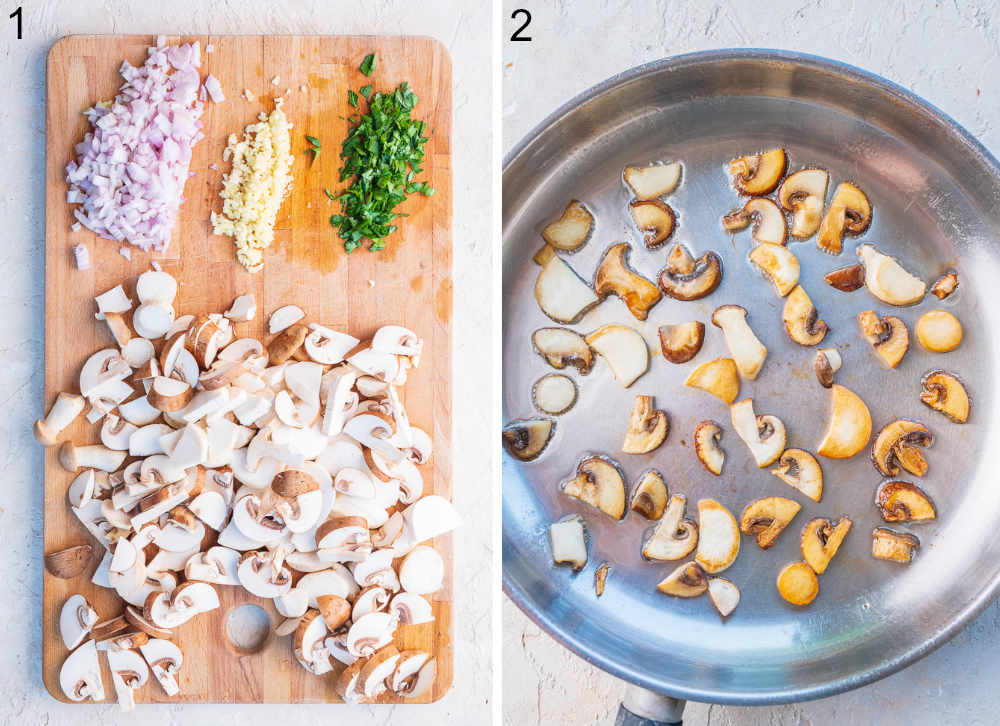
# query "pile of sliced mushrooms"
(780, 207)
(288, 469)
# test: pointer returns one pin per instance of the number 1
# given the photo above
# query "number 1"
(17, 14)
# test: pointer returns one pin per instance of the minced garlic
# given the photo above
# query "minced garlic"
(256, 185)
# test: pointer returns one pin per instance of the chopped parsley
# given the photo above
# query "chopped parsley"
(368, 64)
(316, 146)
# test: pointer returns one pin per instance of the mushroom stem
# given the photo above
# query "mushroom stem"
(63, 412)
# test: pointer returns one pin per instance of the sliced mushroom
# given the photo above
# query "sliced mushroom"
(655, 218)
(685, 278)
(799, 469)
(675, 537)
(894, 546)
(939, 331)
(624, 349)
(653, 180)
(945, 393)
(846, 279)
(707, 435)
(411, 609)
(779, 265)
(80, 675)
(688, 580)
(165, 660)
(718, 537)
(128, 672)
(336, 610)
(850, 212)
(152, 320)
(525, 439)
(724, 595)
(898, 444)
(370, 633)
(422, 571)
(888, 336)
(802, 320)
(601, 578)
(850, 425)
(758, 174)
(826, 363)
(63, 412)
(573, 228)
(767, 218)
(169, 394)
(308, 644)
(76, 618)
(821, 539)
(69, 562)
(747, 350)
(72, 458)
(680, 343)
(568, 541)
(764, 435)
(945, 285)
(647, 427)
(798, 584)
(561, 293)
(283, 318)
(554, 393)
(562, 347)
(650, 495)
(615, 277)
(886, 279)
(767, 518)
(600, 483)
(286, 343)
(720, 377)
(901, 501)
(803, 194)
(327, 346)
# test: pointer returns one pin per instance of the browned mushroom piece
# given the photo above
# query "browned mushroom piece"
(902, 501)
(800, 470)
(850, 213)
(888, 336)
(798, 584)
(656, 219)
(601, 578)
(563, 347)
(526, 439)
(821, 539)
(687, 278)
(707, 435)
(846, 279)
(803, 194)
(898, 444)
(945, 285)
(675, 536)
(802, 320)
(767, 518)
(758, 174)
(573, 228)
(647, 427)
(826, 363)
(680, 343)
(945, 393)
(598, 482)
(768, 221)
(615, 277)
(894, 546)
(688, 580)
(650, 496)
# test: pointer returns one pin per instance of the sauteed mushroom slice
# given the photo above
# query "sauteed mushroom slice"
(850, 425)
(902, 501)
(598, 482)
(850, 212)
(568, 541)
(601, 578)
(707, 435)
(894, 546)
(675, 537)
(798, 584)
(846, 279)
(803, 194)
(821, 539)
(802, 320)
(744, 345)
(826, 363)
(758, 174)
(688, 580)
(720, 377)
(724, 595)
(767, 518)
(764, 435)
(680, 343)
(888, 336)
(561, 293)
(573, 228)
(945, 393)
(647, 427)
(525, 439)
(939, 331)
(945, 285)
(650, 496)
(554, 393)
(615, 277)
(656, 219)
(624, 349)
(886, 279)
(768, 221)
(779, 265)
(799, 469)
(685, 278)
(653, 180)
(898, 444)
(563, 347)
(718, 537)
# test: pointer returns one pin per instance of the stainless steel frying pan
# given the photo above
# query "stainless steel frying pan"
(936, 196)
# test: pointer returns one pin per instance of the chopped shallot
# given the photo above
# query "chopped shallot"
(82, 255)
(214, 89)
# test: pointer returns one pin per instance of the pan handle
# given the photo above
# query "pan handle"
(642, 707)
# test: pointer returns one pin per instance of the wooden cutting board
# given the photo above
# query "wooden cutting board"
(409, 283)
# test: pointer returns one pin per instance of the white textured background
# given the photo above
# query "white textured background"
(947, 52)
(462, 26)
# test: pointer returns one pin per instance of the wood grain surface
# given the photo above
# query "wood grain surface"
(409, 283)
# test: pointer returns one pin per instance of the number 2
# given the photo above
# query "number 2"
(17, 14)
(527, 21)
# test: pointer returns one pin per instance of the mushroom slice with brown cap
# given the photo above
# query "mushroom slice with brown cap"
(888, 336)
(568, 542)
(128, 672)
(169, 394)
(373, 429)
(894, 546)
(653, 180)
(561, 293)
(370, 634)
(134, 616)
(63, 412)
(945, 393)
(285, 343)
(165, 660)
(898, 444)
(720, 377)
(562, 347)
(764, 435)
(69, 562)
(675, 537)
(346, 684)
(707, 435)
(802, 320)
(371, 599)
(799, 469)
(525, 439)
(688, 580)
(647, 428)
(850, 212)
(615, 277)
(901, 501)
(767, 218)
(767, 518)
(758, 174)
(326, 346)
(80, 675)
(76, 620)
(624, 349)
(598, 482)
(746, 349)
(680, 343)
(718, 537)
(886, 279)
(945, 285)
(821, 539)
(308, 646)
(411, 609)
(348, 537)
(803, 194)
(850, 425)
(650, 496)
(573, 228)
(724, 595)
(685, 278)
(406, 676)
(825, 364)
(554, 393)
(846, 279)
(655, 218)
(779, 265)
(939, 331)
(372, 679)
(798, 584)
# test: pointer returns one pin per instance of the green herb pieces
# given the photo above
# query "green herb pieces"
(352, 98)
(382, 155)
(366, 91)
(368, 64)
(316, 146)
(330, 195)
